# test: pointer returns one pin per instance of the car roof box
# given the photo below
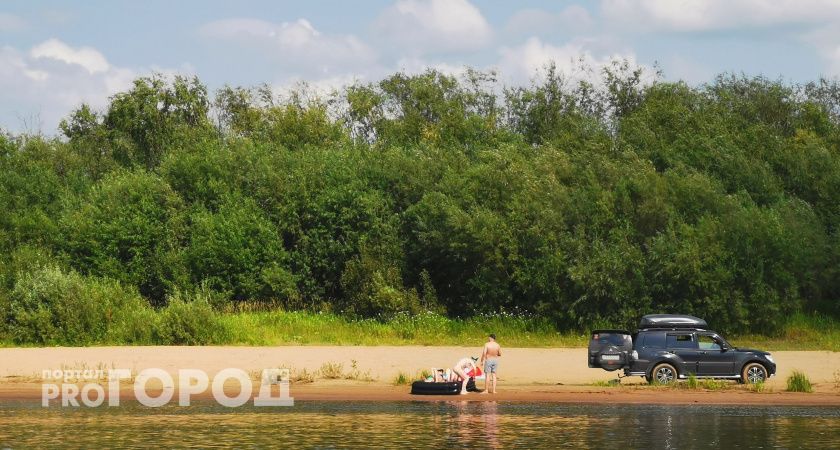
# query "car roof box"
(671, 321)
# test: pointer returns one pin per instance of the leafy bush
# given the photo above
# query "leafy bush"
(189, 319)
(374, 287)
(127, 229)
(22, 260)
(5, 312)
(238, 251)
(51, 307)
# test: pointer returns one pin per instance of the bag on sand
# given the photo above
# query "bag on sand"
(471, 387)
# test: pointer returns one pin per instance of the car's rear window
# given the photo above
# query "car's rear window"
(611, 338)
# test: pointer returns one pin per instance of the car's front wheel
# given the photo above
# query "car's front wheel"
(663, 373)
(753, 373)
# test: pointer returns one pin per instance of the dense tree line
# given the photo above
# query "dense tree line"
(582, 202)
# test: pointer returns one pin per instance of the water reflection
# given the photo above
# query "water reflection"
(457, 424)
(474, 424)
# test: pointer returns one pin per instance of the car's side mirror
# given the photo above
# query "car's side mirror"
(724, 348)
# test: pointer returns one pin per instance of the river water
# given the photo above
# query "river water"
(409, 425)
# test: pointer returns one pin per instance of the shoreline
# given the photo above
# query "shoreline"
(367, 374)
(30, 394)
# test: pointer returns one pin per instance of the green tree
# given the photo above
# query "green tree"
(155, 117)
(237, 250)
(127, 228)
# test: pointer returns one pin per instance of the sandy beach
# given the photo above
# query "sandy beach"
(525, 374)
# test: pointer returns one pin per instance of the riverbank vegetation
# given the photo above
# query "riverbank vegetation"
(192, 320)
(799, 382)
(451, 202)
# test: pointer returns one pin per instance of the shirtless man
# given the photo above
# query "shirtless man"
(461, 368)
(490, 357)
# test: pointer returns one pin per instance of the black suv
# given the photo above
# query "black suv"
(667, 347)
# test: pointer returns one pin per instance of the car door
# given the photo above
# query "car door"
(684, 345)
(715, 360)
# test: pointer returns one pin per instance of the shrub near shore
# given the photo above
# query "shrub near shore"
(54, 307)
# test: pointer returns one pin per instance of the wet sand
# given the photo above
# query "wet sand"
(525, 374)
(331, 391)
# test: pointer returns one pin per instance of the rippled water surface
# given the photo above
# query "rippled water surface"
(421, 425)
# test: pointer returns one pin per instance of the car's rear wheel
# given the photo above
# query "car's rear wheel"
(753, 373)
(663, 373)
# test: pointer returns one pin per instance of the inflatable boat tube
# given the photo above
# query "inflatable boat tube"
(432, 388)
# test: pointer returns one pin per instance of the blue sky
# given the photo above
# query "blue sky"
(55, 55)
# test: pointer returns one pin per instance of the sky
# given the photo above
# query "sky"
(55, 55)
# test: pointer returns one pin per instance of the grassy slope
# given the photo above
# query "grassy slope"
(267, 328)
(800, 333)
(278, 327)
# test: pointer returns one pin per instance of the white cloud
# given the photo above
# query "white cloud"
(521, 63)
(679, 67)
(710, 15)
(52, 79)
(86, 57)
(832, 55)
(573, 18)
(813, 22)
(297, 43)
(826, 40)
(12, 23)
(433, 26)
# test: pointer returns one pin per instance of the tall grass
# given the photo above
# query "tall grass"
(606, 383)
(303, 328)
(332, 370)
(799, 382)
(278, 327)
(801, 332)
(692, 382)
(401, 379)
(189, 320)
(55, 307)
(757, 387)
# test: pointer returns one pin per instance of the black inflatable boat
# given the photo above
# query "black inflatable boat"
(432, 388)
